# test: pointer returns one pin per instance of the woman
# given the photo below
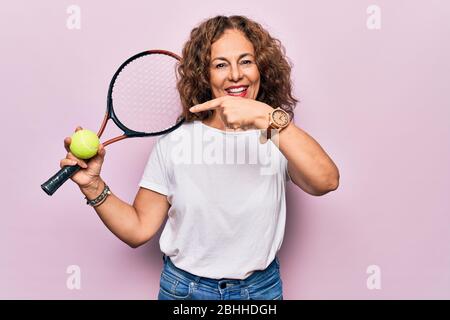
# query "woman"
(226, 216)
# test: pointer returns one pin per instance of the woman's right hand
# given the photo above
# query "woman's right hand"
(89, 174)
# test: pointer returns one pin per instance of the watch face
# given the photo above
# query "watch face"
(281, 118)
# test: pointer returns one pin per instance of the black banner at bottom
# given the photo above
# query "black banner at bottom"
(179, 310)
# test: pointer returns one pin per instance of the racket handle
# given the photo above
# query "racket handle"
(53, 184)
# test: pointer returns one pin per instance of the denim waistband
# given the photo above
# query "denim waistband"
(253, 278)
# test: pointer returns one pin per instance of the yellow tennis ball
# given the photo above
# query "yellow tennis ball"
(84, 144)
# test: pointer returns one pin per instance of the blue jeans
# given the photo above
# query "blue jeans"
(177, 284)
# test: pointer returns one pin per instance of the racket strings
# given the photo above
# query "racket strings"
(145, 97)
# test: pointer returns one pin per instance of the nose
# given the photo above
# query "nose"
(235, 73)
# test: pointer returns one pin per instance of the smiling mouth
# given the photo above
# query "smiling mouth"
(240, 91)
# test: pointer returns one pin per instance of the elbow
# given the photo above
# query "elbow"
(334, 184)
(331, 185)
(137, 237)
(137, 243)
(134, 245)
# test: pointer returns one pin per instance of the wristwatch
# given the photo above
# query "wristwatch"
(278, 120)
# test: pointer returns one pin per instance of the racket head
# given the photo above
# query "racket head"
(143, 99)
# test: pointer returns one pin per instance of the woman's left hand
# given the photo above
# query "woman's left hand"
(238, 112)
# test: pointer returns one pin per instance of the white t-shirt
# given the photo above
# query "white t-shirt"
(227, 195)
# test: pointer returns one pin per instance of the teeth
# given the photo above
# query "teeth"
(237, 90)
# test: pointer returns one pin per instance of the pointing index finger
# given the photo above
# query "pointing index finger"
(208, 105)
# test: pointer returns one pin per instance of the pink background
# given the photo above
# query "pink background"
(376, 101)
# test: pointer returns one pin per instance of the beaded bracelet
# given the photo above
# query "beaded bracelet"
(99, 200)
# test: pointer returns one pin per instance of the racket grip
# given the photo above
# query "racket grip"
(53, 184)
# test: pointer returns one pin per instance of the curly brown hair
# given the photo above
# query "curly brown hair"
(193, 69)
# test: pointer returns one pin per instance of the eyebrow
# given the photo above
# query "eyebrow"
(240, 57)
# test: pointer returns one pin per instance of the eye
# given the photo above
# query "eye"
(220, 65)
(246, 62)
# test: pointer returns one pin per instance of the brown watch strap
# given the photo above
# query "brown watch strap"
(273, 125)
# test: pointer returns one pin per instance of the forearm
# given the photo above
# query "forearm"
(118, 216)
(309, 164)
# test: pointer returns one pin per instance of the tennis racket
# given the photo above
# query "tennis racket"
(143, 101)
